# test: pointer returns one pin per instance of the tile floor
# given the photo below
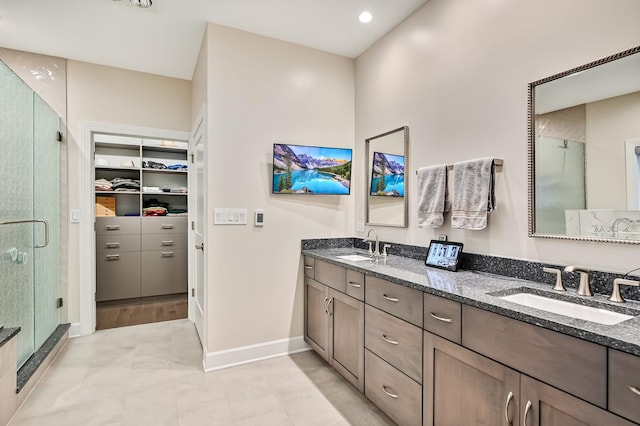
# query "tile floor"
(151, 374)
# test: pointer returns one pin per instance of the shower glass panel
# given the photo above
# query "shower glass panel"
(560, 182)
(30, 176)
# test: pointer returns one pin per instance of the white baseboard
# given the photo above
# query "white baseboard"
(74, 330)
(246, 354)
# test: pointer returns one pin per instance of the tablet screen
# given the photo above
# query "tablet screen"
(444, 254)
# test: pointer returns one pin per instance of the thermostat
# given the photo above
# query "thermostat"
(259, 217)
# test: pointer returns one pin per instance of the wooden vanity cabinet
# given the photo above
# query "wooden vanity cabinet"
(334, 321)
(624, 384)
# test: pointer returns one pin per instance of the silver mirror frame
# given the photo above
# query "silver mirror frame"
(531, 149)
(367, 176)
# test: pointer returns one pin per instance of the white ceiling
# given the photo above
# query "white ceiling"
(166, 39)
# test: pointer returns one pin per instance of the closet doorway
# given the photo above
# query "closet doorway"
(141, 228)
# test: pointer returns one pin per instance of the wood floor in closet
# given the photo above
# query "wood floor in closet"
(122, 313)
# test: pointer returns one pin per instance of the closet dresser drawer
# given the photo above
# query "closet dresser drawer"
(402, 302)
(117, 225)
(443, 317)
(624, 385)
(309, 270)
(164, 225)
(117, 275)
(164, 272)
(394, 340)
(393, 392)
(164, 242)
(332, 275)
(117, 243)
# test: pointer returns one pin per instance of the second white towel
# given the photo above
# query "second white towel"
(432, 196)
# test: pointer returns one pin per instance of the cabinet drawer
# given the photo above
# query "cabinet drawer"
(117, 275)
(164, 242)
(403, 302)
(394, 393)
(117, 225)
(443, 317)
(164, 225)
(164, 272)
(624, 385)
(117, 243)
(308, 267)
(394, 340)
(355, 284)
(568, 363)
(332, 275)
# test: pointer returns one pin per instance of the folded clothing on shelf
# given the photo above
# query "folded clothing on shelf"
(125, 183)
(151, 189)
(174, 190)
(153, 165)
(103, 185)
(154, 211)
(177, 167)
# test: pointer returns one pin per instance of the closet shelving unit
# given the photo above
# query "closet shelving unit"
(136, 255)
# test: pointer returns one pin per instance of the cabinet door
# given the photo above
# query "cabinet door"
(346, 328)
(543, 405)
(316, 328)
(464, 388)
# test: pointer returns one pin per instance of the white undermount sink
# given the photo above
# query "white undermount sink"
(561, 307)
(353, 257)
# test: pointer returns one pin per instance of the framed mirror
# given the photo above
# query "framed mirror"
(387, 158)
(584, 152)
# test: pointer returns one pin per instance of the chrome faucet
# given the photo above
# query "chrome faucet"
(584, 289)
(367, 239)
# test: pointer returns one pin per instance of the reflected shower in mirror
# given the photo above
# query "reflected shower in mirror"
(386, 157)
(584, 140)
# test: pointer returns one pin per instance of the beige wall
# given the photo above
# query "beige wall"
(457, 72)
(262, 91)
(102, 94)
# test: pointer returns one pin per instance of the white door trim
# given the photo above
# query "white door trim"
(87, 243)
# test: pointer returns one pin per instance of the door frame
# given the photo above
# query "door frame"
(87, 242)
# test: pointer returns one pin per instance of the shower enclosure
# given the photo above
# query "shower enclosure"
(560, 182)
(31, 230)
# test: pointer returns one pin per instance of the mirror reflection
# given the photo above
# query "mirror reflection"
(584, 151)
(386, 160)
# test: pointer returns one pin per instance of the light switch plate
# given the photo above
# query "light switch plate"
(237, 216)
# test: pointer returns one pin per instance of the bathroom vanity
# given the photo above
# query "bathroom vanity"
(430, 346)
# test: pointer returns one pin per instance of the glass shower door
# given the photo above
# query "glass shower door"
(30, 206)
(16, 203)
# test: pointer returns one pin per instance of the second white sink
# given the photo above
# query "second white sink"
(561, 307)
(353, 257)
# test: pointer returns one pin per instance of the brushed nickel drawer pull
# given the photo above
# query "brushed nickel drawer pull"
(168, 226)
(330, 307)
(166, 243)
(167, 254)
(386, 339)
(326, 305)
(112, 227)
(506, 409)
(356, 285)
(634, 390)
(390, 299)
(308, 267)
(526, 413)
(112, 245)
(440, 318)
(113, 257)
(392, 395)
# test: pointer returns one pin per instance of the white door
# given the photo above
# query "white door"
(198, 296)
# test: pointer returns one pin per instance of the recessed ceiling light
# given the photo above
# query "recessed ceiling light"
(142, 3)
(365, 17)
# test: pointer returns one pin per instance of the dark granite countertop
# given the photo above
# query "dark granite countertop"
(7, 333)
(482, 289)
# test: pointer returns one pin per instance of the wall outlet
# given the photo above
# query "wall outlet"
(442, 237)
(360, 227)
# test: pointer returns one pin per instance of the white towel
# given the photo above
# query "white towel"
(432, 196)
(473, 193)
